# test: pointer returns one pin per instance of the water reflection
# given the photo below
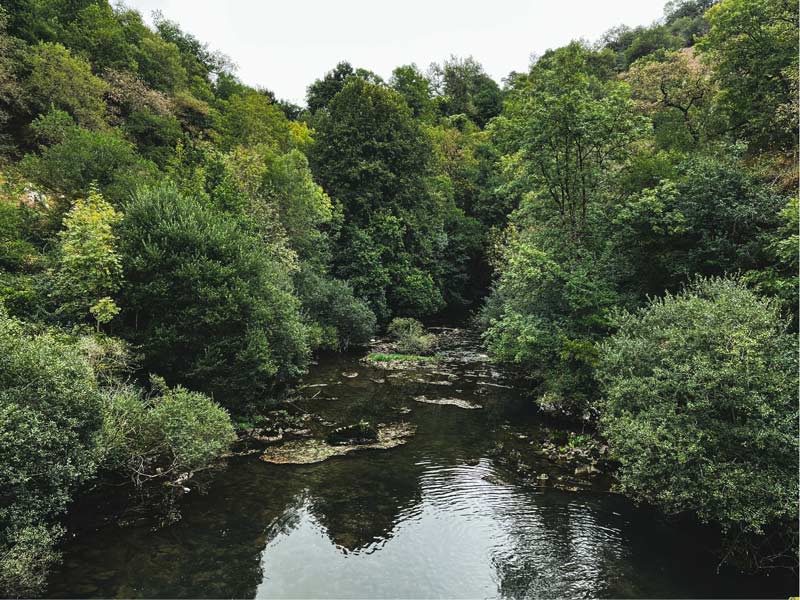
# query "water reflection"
(365, 512)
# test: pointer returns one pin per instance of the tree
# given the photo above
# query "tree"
(566, 131)
(566, 127)
(160, 64)
(89, 269)
(649, 40)
(59, 79)
(546, 312)
(710, 218)
(700, 407)
(372, 157)
(197, 58)
(279, 199)
(252, 118)
(753, 47)
(779, 277)
(11, 91)
(305, 210)
(79, 158)
(686, 18)
(369, 152)
(206, 300)
(100, 35)
(321, 92)
(415, 88)
(676, 89)
(466, 89)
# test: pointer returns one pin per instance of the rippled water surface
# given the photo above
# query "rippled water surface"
(437, 517)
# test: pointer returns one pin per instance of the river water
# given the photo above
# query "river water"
(437, 517)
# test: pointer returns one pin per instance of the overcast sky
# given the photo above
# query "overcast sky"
(286, 45)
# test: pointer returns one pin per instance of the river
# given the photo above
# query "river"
(437, 517)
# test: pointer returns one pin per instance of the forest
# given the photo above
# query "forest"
(619, 222)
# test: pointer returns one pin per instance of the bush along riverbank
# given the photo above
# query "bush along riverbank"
(696, 415)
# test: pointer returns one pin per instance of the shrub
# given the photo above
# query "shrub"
(700, 406)
(49, 420)
(82, 158)
(166, 435)
(342, 319)
(411, 337)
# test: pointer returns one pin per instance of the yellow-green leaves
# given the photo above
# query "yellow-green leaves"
(89, 268)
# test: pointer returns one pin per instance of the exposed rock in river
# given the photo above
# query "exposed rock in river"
(448, 401)
(302, 452)
(359, 433)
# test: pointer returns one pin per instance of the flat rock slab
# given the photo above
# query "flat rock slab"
(449, 401)
(304, 452)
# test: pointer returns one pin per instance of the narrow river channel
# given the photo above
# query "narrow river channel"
(437, 517)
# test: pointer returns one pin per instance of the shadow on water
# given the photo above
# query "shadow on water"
(434, 518)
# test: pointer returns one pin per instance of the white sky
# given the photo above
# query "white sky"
(285, 45)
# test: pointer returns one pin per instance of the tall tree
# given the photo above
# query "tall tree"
(373, 157)
(566, 128)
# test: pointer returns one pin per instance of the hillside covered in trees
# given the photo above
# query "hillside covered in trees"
(620, 222)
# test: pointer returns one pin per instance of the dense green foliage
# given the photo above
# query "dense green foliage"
(168, 434)
(564, 126)
(63, 418)
(700, 405)
(372, 156)
(753, 46)
(49, 420)
(203, 299)
(161, 219)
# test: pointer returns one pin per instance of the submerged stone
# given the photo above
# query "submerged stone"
(302, 452)
(449, 401)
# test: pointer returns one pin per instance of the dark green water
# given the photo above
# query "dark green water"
(437, 517)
